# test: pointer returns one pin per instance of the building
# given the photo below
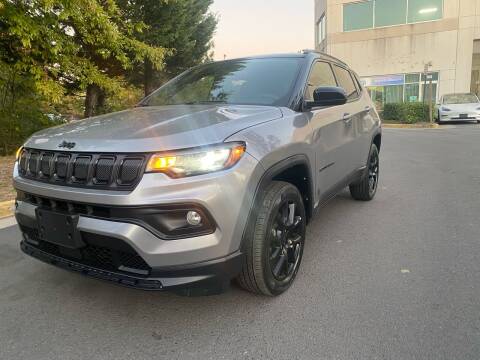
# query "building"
(390, 44)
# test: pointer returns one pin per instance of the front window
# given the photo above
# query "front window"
(245, 81)
(460, 99)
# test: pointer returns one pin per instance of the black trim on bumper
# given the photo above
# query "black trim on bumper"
(208, 278)
(167, 222)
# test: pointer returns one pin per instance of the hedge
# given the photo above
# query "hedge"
(408, 113)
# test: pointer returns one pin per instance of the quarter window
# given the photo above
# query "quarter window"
(345, 81)
(321, 75)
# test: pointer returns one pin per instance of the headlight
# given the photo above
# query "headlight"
(195, 162)
(445, 109)
(18, 153)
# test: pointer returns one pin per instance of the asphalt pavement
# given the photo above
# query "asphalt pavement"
(396, 278)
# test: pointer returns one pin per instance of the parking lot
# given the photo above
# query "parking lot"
(397, 278)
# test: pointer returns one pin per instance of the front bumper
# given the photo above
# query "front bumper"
(201, 279)
(459, 116)
(227, 197)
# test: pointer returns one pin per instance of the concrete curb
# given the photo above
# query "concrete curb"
(7, 208)
(410, 126)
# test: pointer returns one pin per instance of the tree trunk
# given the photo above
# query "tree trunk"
(92, 99)
(148, 78)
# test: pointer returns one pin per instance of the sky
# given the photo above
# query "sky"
(249, 27)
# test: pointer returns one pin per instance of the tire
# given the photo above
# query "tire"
(274, 252)
(366, 189)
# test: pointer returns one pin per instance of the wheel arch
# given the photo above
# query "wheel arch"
(296, 170)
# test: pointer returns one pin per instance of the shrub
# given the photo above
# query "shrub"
(408, 113)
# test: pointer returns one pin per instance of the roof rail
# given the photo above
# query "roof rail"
(311, 51)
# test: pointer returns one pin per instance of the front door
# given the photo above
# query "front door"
(332, 132)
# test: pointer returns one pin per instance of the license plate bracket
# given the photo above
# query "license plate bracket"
(463, 116)
(58, 228)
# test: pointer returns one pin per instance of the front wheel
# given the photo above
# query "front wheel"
(366, 189)
(274, 252)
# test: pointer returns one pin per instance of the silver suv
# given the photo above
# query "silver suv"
(213, 177)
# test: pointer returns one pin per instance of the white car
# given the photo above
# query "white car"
(458, 107)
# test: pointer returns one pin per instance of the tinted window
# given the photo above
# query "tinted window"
(424, 10)
(249, 81)
(321, 75)
(345, 81)
(358, 16)
(390, 12)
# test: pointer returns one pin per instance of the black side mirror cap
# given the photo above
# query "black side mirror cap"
(327, 96)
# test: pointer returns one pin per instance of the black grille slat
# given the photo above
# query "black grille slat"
(33, 163)
(61, 166)
(129, 170)
(23, 162)
(120, 172)
(81, 167)
(46, 165)
(104, 169)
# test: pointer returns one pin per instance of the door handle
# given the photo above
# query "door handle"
(347, 118)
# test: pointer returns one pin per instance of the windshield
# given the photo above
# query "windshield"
(249, 81)
(460, 99)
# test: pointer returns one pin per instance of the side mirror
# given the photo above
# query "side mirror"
(327, 96)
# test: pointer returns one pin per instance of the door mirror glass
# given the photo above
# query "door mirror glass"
(327, 96)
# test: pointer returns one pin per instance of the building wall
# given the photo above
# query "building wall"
(447, 43)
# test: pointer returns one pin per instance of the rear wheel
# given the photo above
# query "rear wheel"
(274, 253)
(366, 189)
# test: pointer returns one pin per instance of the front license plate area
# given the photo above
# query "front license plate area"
(58, 228)
(463, 116)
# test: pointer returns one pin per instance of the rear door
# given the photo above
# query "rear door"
(329, 133)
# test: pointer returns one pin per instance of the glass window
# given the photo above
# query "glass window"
(430, 76)
(424, 10)
(426, 92)
(345, 81)
(358, 16)
(412, 92)
(252, 81)
(394, 94)
(321, 29)
(412, 78)
(321, 75)
(390, 12)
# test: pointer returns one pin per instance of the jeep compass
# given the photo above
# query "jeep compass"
(211, 178)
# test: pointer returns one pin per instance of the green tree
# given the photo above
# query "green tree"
(66, 46)
(185, 26)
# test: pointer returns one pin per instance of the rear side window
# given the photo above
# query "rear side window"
(321, 75)
(345, 81)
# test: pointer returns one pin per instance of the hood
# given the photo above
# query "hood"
(150, 129)
(463, 107)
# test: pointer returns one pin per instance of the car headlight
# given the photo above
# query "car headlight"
(185, 163)
(445, 109)
(18, 153)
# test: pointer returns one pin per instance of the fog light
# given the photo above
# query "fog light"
(194, 218)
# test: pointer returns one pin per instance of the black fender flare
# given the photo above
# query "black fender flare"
(269, 176)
